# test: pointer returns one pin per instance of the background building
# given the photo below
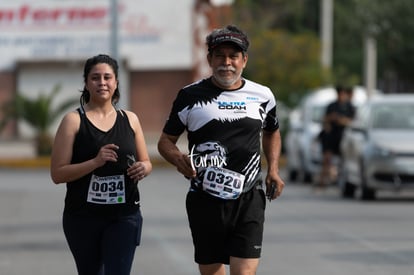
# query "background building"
(160, 48)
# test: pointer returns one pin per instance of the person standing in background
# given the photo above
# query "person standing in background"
(338, 115)
(226, 117)
(100, 153)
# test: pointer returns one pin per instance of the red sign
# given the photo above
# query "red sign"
(27, 14)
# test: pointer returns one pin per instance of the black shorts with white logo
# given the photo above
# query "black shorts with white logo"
(224, 228)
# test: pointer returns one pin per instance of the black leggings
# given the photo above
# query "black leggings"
(103, 246)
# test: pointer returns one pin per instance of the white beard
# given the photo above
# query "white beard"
(226, 82)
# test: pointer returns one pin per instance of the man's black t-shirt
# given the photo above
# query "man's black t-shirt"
(331, 140)
(224, 126)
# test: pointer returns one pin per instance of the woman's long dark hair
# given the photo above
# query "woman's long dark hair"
(90, 63)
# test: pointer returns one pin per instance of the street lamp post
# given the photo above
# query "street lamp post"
(370, 63)
(114, 29)
(114, 42)
(326, 29)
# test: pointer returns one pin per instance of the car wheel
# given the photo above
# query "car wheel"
(293, 175)
(307, 177)
(348, 190)
(367, 193)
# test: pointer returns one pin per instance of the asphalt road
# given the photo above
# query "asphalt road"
(307, 231)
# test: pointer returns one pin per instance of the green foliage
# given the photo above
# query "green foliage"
(295, 16)
(285, 50)
(287, 63)
(38, 113)
(281, 31)
(390, 22)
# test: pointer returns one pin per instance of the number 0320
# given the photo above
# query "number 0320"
(222, 178)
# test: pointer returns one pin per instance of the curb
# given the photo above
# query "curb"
(44, 163)
(40, 162)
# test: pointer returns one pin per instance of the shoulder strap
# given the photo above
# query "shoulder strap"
(81, 110)
(121, 112)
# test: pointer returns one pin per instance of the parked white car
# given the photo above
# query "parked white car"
(303, 151)
(378, 148)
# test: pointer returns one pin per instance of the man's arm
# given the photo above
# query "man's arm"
(168, 149)
(272, 145)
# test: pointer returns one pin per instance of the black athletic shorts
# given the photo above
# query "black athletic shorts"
(330, 142)
(223, 228)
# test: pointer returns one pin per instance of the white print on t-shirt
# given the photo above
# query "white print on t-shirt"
(224, 108)
(208, 159)
(208, 154)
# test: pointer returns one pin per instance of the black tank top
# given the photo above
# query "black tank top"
(86, 145)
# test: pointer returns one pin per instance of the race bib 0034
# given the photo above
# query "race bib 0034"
(107, 190)
(223, 183)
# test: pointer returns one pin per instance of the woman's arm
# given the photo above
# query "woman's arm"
(60, 167)
(143, 166)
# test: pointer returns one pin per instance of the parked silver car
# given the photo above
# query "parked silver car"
(378, 147)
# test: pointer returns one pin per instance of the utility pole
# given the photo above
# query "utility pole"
(114, 29)
(326, 30)
(370, 63)
(114, 40)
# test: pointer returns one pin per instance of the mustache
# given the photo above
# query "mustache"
(226, 68)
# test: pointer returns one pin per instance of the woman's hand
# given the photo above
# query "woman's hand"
(137, 170)
(107, 153)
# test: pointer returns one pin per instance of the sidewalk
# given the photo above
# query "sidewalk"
(21, 154)
(15, 154)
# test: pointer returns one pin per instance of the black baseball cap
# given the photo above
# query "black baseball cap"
(230, 34)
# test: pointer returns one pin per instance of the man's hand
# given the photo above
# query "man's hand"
(274, 192)
(183, 164)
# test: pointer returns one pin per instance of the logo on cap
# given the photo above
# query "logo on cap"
(228, 37)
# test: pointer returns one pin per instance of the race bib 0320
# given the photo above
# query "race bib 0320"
(223, 183)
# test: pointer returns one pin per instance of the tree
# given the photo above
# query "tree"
(391, 23)
(288, 63)
(285, 49)
(38, 113)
